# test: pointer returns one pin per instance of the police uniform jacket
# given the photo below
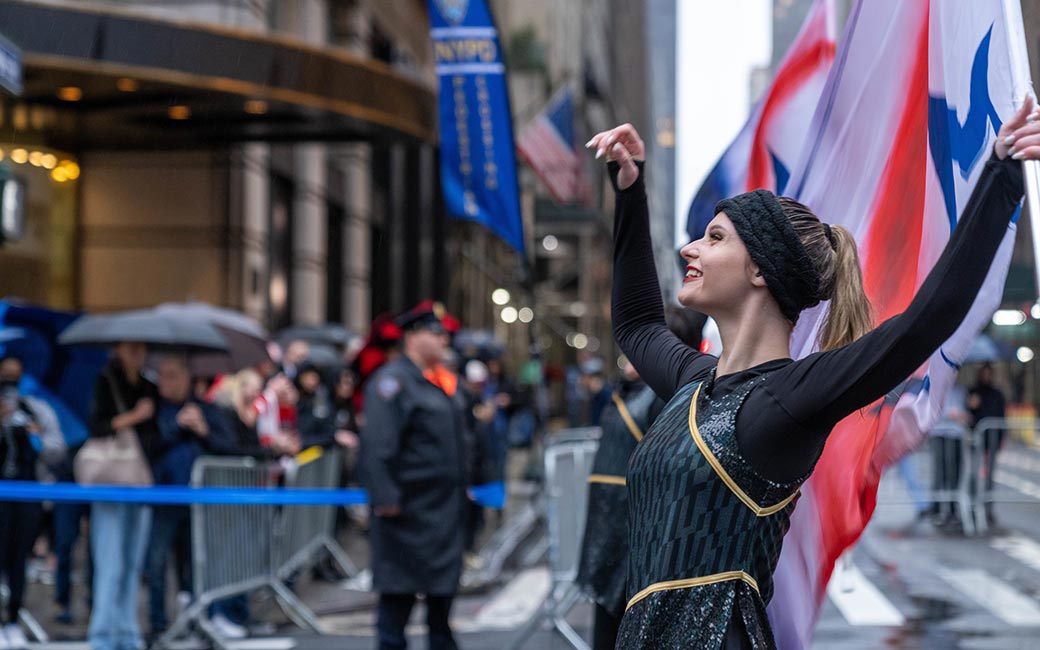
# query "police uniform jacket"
(413, 455)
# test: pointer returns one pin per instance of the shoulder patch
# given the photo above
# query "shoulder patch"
(388, 387)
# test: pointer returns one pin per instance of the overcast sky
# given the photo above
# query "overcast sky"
(717, 46)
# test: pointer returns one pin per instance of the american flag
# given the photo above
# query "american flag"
(547, 144)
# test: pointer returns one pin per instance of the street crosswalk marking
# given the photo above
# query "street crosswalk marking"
(1027, 487)
(859, 601)
(996, 596)
(513, 604)
(1020, 547)
(1021, 461)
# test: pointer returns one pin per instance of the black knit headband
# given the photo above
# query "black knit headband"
(774, 246)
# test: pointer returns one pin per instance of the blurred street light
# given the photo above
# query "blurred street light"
(1009, 317)
(70, 94)
(526, 314)
(500, 296)
(1024, 354)
(509, 314)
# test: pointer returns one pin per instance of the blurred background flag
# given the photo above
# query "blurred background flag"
(897, 171)
(547, 144)
(770, 143)
(478, 166)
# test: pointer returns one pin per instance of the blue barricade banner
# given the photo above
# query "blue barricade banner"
(478, 163)
(491, 495)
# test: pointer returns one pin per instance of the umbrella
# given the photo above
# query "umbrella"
(332, 334)
(246, 338)
(145, 326)
(221, 317)
(984, 350)
(479, 344)
(325, 357)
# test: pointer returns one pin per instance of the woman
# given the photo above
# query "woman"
(123, 397)
(713, 483)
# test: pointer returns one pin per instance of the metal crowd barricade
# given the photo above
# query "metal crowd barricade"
(964, 476)
(307, 532)
(1000, 464)
(933, 480)
(568, 462)
(237, 549)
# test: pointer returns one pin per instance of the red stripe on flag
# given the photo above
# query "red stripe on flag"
(789, 80)
(847, 478)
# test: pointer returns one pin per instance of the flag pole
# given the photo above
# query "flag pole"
(1023, 85)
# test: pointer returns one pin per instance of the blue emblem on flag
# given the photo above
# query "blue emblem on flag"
(952, 143)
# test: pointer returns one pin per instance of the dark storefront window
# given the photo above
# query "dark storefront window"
(280, 242)
(334, 264)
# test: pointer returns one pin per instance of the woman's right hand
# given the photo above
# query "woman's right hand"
(144, 409)
(623, 144)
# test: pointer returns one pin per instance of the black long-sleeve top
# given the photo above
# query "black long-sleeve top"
(784, 423)
(104, 408)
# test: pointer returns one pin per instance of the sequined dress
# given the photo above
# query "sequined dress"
(707, 529)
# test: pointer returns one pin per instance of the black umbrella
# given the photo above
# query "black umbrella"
(246, 338)
(144, 326)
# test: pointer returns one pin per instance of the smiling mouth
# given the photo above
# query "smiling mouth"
(692, 274)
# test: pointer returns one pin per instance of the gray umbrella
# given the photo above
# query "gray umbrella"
(145, 326)
(246, 338)
(220, 316)
(332, 334)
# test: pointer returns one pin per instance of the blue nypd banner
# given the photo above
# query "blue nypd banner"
(10, 67)
(478, 166)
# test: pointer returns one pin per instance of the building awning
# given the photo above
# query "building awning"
(117, 80)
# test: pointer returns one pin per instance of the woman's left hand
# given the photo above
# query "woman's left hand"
(1019, 137)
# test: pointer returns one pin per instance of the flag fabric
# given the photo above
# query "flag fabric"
(898, 140)
(770, 143)
(478, 164)
(547, 145)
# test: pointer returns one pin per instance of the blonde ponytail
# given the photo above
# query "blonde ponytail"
(850, 315)
(832, 250)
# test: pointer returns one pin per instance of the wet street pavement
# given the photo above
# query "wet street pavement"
(908, 585)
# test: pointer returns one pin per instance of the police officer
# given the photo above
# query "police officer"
(413, 464)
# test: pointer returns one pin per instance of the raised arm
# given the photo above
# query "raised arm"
(851, 377)
(637, 311)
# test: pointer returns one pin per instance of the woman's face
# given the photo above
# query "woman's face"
(719, 272)
(131, 354)
(309, 381)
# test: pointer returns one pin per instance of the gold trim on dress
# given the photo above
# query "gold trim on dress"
(721, 471)
(633, 428)
(692, 582)
(606, 478)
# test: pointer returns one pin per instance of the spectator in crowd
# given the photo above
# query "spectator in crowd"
(945, 440)
(987, 401)
(55, 464)
(315, 420)
(20, 448)
(344, 413)
(188, 428)
(597, 389)
(296, 353)
(242, 394)
(498, 392)
(123, 397)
